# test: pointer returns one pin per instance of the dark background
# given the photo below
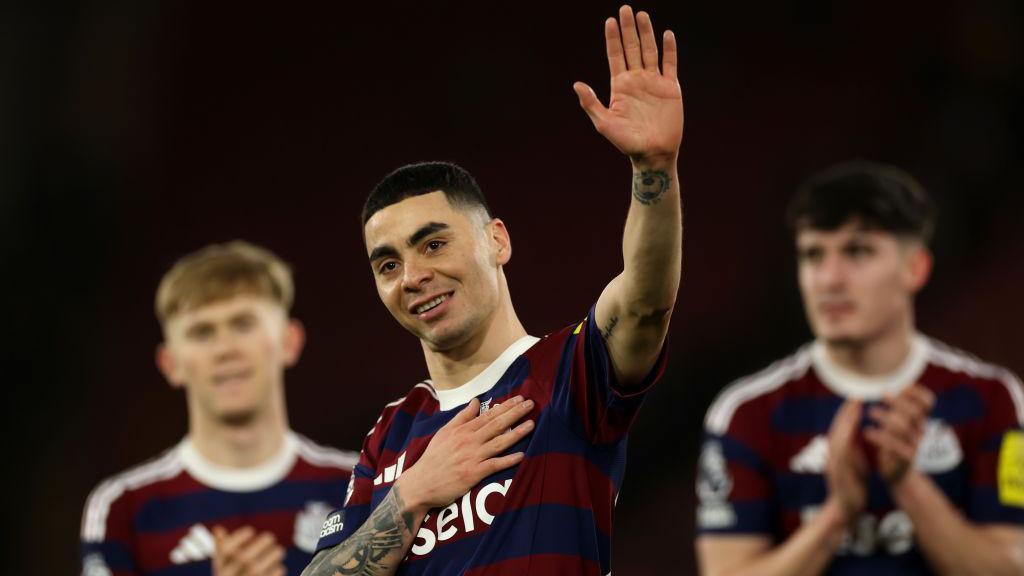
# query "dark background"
(133, 132)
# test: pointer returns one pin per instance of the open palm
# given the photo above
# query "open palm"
(644, 116)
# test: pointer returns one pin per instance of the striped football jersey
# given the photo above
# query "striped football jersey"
(157, 518)
(761, 469)
(549, 515)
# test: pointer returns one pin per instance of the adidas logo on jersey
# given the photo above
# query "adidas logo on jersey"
(811, 459)
(197, 544)
(391, 473)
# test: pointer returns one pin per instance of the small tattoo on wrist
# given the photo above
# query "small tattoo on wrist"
(650, 185)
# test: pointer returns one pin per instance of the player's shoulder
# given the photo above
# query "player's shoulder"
(988, 378)
(149, 474)
(756, 388)
(421, 398)
(323, 456)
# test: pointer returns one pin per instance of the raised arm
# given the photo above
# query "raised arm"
(644, 120)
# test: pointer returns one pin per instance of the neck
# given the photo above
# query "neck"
(453, 368)
(877, 355)
(240, 444)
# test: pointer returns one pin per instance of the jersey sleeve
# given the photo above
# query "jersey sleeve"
(591, 398)
(734, 482)
(997, 462)
(106, 538)
(342, 523)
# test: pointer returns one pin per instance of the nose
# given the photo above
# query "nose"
(831, 273)
(415, 275)
(225, 345)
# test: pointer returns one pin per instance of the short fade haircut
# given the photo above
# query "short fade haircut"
(458, 185)
(878, 196)
(222, 271)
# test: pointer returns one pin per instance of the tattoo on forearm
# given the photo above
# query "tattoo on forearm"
(607, 332)
(365, 552)
(650, 185)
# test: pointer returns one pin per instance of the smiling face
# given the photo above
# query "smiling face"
(858, 284)
(230, 356)
(437, 267)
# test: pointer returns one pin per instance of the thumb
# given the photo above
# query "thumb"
(589, 102)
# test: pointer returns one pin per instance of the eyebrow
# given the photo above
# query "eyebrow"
(424, 231)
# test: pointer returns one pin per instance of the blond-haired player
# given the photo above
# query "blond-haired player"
(241, 494)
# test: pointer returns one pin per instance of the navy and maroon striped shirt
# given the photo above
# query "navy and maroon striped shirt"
(157, 518)
(549, 515)
(761, 471)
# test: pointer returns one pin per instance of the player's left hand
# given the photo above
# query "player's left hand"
(898, 427)
(246, 553)
(644, 117)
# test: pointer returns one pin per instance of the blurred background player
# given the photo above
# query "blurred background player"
(452, 479)
(874, 449)
(241, 495)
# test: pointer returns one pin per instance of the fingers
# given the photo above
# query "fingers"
(244, 553)
(262, 560)
(494, 465)
(229, 545)
(897, 422)
(844, 424)
(465, 415)
(613, 45)
(503, 442)
(503, 421)
(630, 39)
(670, 55)
(891, 442)
(900, 421)
(495, 411)
(589, 102)
(648, 44)
(261, 554)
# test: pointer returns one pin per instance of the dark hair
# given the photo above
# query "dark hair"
(458, 186)
(878, 196)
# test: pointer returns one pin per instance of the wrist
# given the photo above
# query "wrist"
(655, 163)
(411, 499)
(903, 488)
(835, 516)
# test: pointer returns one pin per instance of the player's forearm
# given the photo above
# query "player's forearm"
(652, 247)
(951, 543)
(377, 548)
(807, 552)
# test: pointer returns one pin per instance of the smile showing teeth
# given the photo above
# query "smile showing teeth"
(429, 305)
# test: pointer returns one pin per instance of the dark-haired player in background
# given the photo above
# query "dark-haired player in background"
(508, 460)
(241, 495)
(874, 449)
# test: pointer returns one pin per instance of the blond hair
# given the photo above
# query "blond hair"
(222, 271)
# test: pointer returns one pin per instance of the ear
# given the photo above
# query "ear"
(919, 268)
(294, 341)
(500, 241)
(168, 366)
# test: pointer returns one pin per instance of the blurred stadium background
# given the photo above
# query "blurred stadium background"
(132, 132)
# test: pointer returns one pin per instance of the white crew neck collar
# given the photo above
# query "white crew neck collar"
(859, 387)
(485, 380)
(231, 479)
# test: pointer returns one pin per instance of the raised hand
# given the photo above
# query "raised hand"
(847, 468)
(899, 425)
(246, 553)
(465, 451)
(644, 117)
